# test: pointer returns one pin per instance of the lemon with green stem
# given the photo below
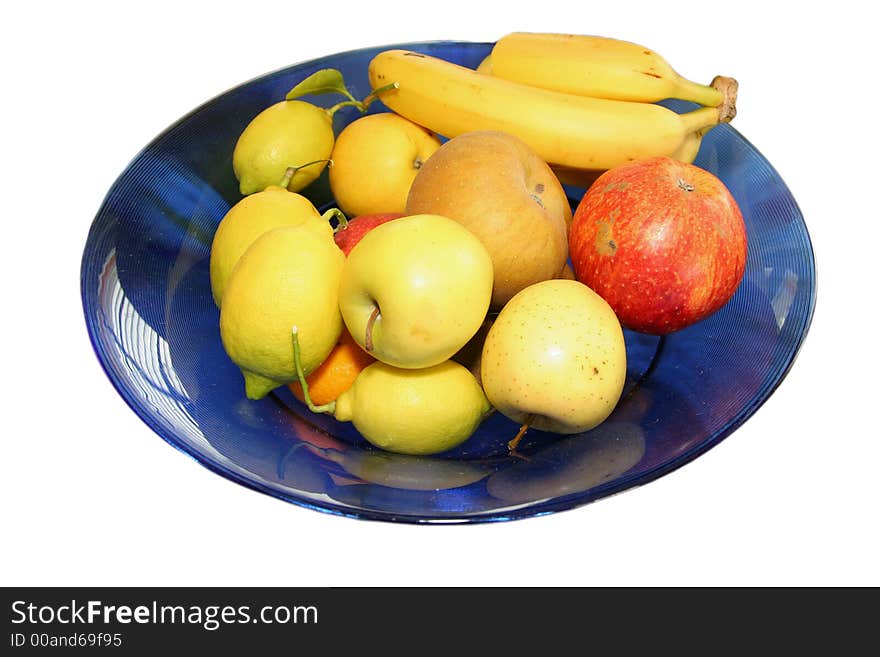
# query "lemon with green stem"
(289, 275)
(256, 214)
(292, 133)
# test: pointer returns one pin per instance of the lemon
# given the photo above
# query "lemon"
(289, 277)
(251, 217)
(292, 133)
(422, 411)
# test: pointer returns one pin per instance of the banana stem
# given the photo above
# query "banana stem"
(690, 146)
(700, 119)
(301, 376)
(701, 94)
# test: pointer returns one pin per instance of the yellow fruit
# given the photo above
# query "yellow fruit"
(687, 152)
(498, 188)
(594, 66)
(555, 358)
(375, 160)
(415, 290)
(564, 129)
(424, 411)
(292, 133)
(289, 277)
(251, 217)
(690, 146)
(336, 374)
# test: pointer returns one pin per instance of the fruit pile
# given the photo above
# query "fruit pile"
(463, 283)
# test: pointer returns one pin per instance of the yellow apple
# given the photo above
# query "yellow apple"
(555, 358)
(374, 161)
(415, 290)
(503, 192)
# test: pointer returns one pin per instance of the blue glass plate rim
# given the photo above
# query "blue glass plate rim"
(544, 507)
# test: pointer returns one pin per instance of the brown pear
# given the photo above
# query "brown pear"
(502, 191)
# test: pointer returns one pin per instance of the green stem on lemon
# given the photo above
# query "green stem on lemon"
(339, 215)
(345, 92)
(345, 103)
(301, 376)
(289, 173)
(362, 105)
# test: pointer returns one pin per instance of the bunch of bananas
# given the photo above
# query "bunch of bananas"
(585, 104)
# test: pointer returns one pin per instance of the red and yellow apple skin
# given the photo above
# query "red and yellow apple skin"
(662, 241)
(356, 228)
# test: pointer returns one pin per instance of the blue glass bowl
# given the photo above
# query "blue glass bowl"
(154, 327)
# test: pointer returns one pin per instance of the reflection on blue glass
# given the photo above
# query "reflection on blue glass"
(154, 327)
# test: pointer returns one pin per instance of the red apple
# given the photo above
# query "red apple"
(662, 241)
(347, 237)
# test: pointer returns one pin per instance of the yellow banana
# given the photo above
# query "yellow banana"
(687, 152)
(564, 129)
(594, 66)
(689, 148)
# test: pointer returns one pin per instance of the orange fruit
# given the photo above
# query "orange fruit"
(336, 374)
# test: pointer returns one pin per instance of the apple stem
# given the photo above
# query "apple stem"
(511, 446)
(329, 407)
(368, 337)
(339, 215)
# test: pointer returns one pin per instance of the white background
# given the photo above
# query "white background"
(90, 496)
